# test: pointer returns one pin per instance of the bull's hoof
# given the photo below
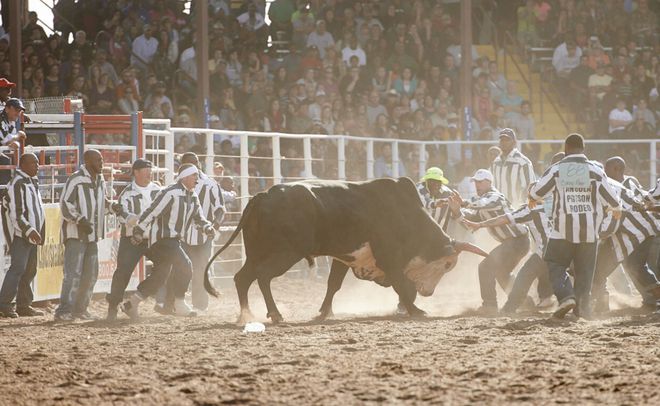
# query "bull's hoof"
(245, 317)
(324, 315)
(275, 318)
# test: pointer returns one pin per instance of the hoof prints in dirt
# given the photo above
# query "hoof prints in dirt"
(354, 359)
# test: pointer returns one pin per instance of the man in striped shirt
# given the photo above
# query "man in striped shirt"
(435, 195)
(198, 245)
(165, 221)
(28, 226)
(514, 243)
(133, 200)
(627, 241)
(534, 268)
(652, 203)
(83, 224)
(580, 192)
(538, 223)
(512, 171)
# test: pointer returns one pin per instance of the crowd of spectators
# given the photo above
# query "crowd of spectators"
(605, 60)
(387, 69)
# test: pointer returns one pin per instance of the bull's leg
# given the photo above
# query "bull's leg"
(411, 292)
(243, 279)
(335, 279)
(274, 265)
(407, 298)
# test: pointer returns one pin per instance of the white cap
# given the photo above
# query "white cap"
(483, 174)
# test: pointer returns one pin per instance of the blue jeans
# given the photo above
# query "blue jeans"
(498, 265)
(634, 265)
(128, 256)
(23, 268)
(167, 255)
(558, 255)
(654, 256)
(533, 268)
(81, 268)
(199, 256)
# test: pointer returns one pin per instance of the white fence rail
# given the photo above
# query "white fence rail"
(258, 160)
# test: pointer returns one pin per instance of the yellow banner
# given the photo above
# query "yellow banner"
(50, 257)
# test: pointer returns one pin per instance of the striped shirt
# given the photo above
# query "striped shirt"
(653, 195)
(634, 226)
(631, 183)
(536, 221)
(213, 208)
(83, 197)
(132, 201)
(512, 174)
(493, 204)
(8, 129)
(580, 192)
(441, 214)
(26, 209)
(170, 215)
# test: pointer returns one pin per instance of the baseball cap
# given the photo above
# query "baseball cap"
(14, 102)
(142, 164)
(482, 174)
(508, 132)
(435, 173)
(5, 83)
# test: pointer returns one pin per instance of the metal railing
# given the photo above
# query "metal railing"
(342, 157)
(520, 50)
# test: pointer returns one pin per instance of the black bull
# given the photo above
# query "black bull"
(378, 228)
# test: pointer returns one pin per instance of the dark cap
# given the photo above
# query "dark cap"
(508, 132)
(14, 102)
(142, 164)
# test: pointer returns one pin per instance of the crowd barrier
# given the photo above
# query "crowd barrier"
(256, 160)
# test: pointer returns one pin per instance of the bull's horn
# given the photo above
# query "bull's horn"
(466, 246)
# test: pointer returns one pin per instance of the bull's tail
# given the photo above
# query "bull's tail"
(207, 282)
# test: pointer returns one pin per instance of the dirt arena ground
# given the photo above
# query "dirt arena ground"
(364, 355)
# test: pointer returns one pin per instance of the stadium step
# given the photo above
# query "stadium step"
(549, 125)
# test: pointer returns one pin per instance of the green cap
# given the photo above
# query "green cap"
(435, 173)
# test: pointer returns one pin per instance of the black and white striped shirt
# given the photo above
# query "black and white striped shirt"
(580, 193)
(213, 208)
(631, 183)
(26, 209)
(634, 226)
(132, 201)
(83, 197)
(537, 223)
(512, 175)
(653, 195)
(8, 129)
(173, 211)
(493, 204)
(441, 214)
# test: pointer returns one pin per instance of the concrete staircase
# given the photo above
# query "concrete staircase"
(548, 121)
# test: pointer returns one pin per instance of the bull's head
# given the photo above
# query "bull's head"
(426, 275)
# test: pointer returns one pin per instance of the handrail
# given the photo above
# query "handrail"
(541, 88)
(496, 37)
(522, 75)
